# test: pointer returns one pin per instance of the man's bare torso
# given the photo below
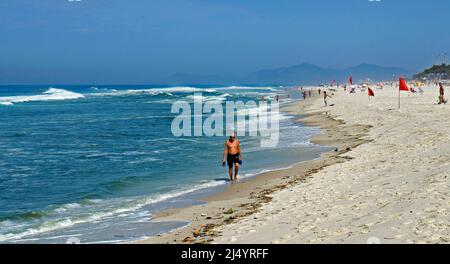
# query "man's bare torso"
(233, 147)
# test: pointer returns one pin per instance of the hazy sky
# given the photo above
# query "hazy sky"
(141, 41)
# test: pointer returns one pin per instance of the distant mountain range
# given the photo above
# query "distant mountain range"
(302, 74)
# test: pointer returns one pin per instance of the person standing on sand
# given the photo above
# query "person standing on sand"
(232, 155)
(325, 96)
(441, 94)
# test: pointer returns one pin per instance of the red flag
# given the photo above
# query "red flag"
(403, 86)
(350, 80)
(371, 93)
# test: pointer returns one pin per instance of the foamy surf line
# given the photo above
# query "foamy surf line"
(267, 88)
(35, 234)
(134, 205)
(52, 94)
(56, 94)
(169, 91)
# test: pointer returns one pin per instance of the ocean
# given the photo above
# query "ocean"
(93, 164)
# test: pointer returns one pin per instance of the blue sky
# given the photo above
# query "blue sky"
(142, 41)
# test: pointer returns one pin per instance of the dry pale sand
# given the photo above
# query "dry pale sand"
(394, 189)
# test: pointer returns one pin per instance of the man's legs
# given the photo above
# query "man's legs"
(236, 171)
(230, 172)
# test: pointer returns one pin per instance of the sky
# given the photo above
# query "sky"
(144, 41)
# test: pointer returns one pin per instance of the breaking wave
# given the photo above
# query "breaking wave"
(49, 95)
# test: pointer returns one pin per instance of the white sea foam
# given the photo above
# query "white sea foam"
(186, 89)
(155, 91)
(204, 98)
(61, 94)
(263, 109)
(50, 94)
(268, 88)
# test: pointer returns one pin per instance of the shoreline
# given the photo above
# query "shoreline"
(247, 197)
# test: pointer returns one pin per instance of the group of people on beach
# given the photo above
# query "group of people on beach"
(277, 98)
(308, 93)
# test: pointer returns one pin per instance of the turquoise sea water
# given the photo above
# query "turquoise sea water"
(94, 163)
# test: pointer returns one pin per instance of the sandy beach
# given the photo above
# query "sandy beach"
(392, 189)
(385, 182)
(246, 197)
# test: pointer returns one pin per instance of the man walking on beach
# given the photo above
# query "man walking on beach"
(325, 96)
(232, 155)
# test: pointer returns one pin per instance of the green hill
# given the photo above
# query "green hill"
(436, 72)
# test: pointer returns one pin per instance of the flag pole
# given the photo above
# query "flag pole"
(399, 98)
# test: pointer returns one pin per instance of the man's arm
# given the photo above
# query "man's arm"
(241, 157)
(225, 152)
